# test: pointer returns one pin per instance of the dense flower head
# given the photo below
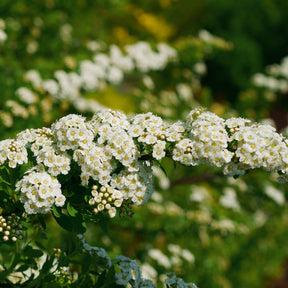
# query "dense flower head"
(55, 162)
(39, 191)
(183, 152)
(29, 136)
(136, 185)
(41, 143)
(207, 140)
(14, 152)
(72, 132)
(234, 123)
(151, 131)
(116, 153)
(260, 146)
(110, 128)
(95, 162)
(105, 198)
(111, 117)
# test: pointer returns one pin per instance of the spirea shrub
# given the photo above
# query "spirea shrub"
(137, 72)
(82, 170)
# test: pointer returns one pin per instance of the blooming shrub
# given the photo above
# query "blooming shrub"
(91, 176)
(121, 71)
(81, 170)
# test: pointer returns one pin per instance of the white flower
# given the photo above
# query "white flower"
(51, 87)
(159, 150)
(42, 192)
(60, 200)
(34, 77)
(114, 75)
(229, 199)
(274, 194)
(160, 258)
(3, 36)
(14, 151)
(26, 95)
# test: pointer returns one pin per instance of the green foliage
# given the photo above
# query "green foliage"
(225, 256)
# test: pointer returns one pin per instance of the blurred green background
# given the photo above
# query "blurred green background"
(51, 35)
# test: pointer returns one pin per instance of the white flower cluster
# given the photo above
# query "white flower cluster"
(92, 75)
(207, 141)
(136, 185)
(151, 130)
(39, 191)
(14, 151)
(276, 79)
(175, 256)
(111, 129)
(130, 273)
(94, 163)
(41, 144)
(72, 132)
(146, 59)
(116, 153)
(99, 146)
(258, 146)
(160, 258)
(17, 109)
(275, 194)
(26, 95)
(229, 199)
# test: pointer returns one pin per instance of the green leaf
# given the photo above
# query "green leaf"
(110, 277)
(48, 264)
(71, 210)
(107, 279)
(4, 181)
(86, 262)
(103, 223)
(56, 211)
(42, 221)
(162, 168)
(51, 284)
(63, 260)
(32, 253)
(22, 268)
(101, 279)
(72, 224)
